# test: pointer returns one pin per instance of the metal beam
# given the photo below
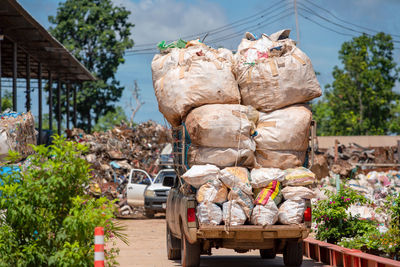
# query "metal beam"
(59, 107)
(68, 89)
(14, 80)
(28, 83)
(40, 101)
(50, 101)
(75, 105)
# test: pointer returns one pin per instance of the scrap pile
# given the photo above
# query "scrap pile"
(17, 133)
(247, 122)
(115, 152)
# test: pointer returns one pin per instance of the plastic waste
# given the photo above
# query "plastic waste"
(198, 175)
(209, 214)
(265, 214)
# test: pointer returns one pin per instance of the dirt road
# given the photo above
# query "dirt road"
(147, 249)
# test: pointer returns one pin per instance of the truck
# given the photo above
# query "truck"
(187, 240)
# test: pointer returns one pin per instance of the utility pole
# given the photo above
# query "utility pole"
(297, 23)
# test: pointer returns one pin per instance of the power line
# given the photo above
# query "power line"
(325, 27)
(342, 20)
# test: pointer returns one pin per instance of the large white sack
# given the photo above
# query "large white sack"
(209, 214)
(274, 73)
(221, 157)
(191, 77)
(284, 129)
(292, 211)
(292, 192)
(261, 177)
(222, 126)
(237, 177)
(213, 191)
(280, 159)
(265, 214)
(233, 214)
(198, 175)
(243, 199)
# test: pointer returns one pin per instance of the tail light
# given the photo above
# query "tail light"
(307, 215)
(191, 214)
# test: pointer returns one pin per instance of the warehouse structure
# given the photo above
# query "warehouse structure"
(30, 55)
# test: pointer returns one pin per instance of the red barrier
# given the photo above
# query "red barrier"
(99, 247)
(339, 256)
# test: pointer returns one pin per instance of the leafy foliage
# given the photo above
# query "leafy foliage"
(46, 219)
(6, 101)
(361, 98)
(97, 32)
(111, 119)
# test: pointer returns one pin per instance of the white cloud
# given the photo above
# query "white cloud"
(157, 20)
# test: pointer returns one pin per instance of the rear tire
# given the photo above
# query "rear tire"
(267, 253)
(173, 246)
(293, 253)
(190, 253)
(149, 214)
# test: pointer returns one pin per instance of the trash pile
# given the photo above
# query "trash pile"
(114, 153)
(17, 133)
(246, 124)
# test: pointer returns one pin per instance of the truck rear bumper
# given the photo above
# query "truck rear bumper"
(254, 232)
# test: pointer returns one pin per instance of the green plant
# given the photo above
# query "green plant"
(47, 219)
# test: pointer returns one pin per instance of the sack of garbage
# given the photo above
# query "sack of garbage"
(236, 177)
(292, 211)
(279, 159)
(243, 199)
(220, 156)
(292, 192)
(298, 177)
(213, 191)
(186, 78)
(198, 175)
(261, 177)
(284, 129)
(222, 126)
(265, 214)
(17, 133)
(209, 214)
(272, 192)
(233, 214)
(273, 73)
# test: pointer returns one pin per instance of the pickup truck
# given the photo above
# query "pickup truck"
(187, 240)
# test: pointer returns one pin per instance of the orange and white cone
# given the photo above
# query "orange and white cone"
(99, 247)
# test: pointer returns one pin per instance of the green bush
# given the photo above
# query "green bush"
(47, 219)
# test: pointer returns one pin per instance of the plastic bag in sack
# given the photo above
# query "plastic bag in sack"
(261, 177)
(190, 77)
(213, 191)
(221, 157)
(209, 214)
(298, 177)
(237, 177)
(292, 211)
(243, 199)
(271, 192)
(222, 126)
(233, 213)
(274, 73)
(291, 192)
(198, 175)
(265, 214)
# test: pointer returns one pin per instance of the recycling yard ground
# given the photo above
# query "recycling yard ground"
(147, 247)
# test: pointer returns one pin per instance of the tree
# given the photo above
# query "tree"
(6, 101)
(111, 119)
(361, 99)
(97, 33)
(138, 103)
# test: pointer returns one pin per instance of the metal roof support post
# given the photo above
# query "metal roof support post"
(28, 83)
(14, 79)
(68, 90)
(59, 107)
(74, 105)
(1, 108)
(40, 102)
(50, 102)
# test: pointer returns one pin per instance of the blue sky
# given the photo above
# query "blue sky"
(157, 20)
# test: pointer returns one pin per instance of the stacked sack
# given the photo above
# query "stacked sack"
(263, 128)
